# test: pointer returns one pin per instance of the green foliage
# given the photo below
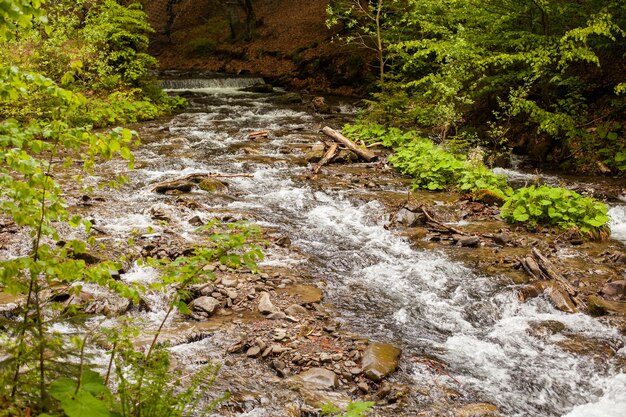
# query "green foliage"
(435, 168)
(558, 207)
(511, 67)
(354, 409)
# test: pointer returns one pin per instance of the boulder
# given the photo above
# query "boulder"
(202, 308)
(469, 241)
(409, 218)
(212, 185)
(380, 360)
(265, 304)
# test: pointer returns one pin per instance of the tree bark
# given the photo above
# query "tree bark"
(361, 152)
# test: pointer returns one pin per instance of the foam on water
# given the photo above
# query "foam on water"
(617, 222)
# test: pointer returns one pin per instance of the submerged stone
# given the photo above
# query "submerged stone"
(380, 360)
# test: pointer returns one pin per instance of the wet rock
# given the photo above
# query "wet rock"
(599, 303)
(308, 294)
(321, 377)
(196, 221)
(532, 290)
(545, 328)
(476, 410)
(559, 298)
(296, 310)
(265, 304)
(202, 308)
(380, 360)
(363, 387)
(212, 185)
(314, 155)
(615, 290)
(288, 98)
(260, 88)
(320, 105)
(501, 238)
(409, 218)
(469, 242)
(283, 241)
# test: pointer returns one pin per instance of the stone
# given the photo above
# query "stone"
(279, 334)
(212, 185)
(560, 298)
(253, 352)
(615, 290)
(469, 242)
(260, 88)
(356, 370)
(476, 410)
(501, 238)
(296, 310)
(265, 304)
(230, 282)
(203, 307)
(380, 360)
(409, 218)
(363, 387)
(196, 221)
(231, 293)
(279, 315)
(289, 98)
(319, 376)
(325, 358)
(308, 294)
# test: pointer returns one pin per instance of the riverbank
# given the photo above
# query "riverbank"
(348, 266)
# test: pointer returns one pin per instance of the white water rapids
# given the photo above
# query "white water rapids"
(386, 289)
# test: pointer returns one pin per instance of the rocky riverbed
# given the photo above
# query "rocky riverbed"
(421, 302)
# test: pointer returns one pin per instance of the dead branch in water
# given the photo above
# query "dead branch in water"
(363, 153)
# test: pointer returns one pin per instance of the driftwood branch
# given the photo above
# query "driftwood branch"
(330, 154)
(187, 182)
(258, 134)
(363, 153)
(438, 223)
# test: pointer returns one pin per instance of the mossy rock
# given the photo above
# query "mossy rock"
(489, 197)
(212, 185)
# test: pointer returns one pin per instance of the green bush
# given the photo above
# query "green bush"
(557, 207)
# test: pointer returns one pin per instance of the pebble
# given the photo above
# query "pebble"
(230, 282)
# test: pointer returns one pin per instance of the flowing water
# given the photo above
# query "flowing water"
(384, 288)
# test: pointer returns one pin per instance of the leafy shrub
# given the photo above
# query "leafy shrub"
(557, 207)
(354, 409)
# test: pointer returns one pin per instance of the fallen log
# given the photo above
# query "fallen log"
(330, 154)
(363, 153)
(186, 183)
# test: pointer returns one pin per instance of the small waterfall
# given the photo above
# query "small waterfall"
(210, 83)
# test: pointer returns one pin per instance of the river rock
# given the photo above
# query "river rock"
(265, 304)
(202, 308)
(253, 352)
(409, 218)
(380, 360)
(319, 376)
(296, 310)
(260, 88)
(476, 410)
(229, 282)
(615, 290)
(560, 298)
(289, 98)
(469, 241)
(212, 185)
(308, 294)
